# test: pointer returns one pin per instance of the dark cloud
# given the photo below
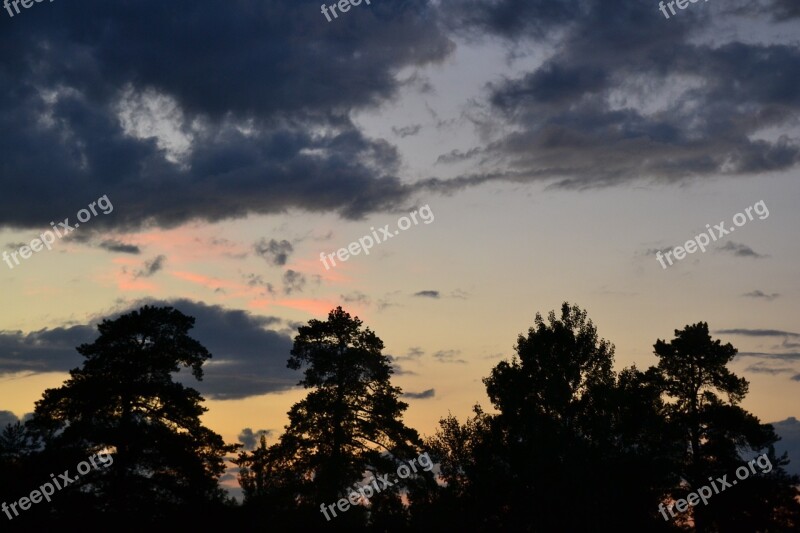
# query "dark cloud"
(255, 280)
(151, 267)
(46, 350)
(757, 332)
(790, 345)
(407, 131)
(386, 303)
(248, 359)
(455, 156)
(595, 113)
(786, 9)
(740, 250)
(415, 352)
(250, 438)
(424, 395)
(397, 369)
(448, 356)
(427, 294)
(789, 356)
(655, 251)
(759, 294)
(206, 112)
(293, 281)
(789, 432)
(355, 297)
(6, 418)
(762, 368)
(274, 252)
(781, 9)
(133, 113)
(509, 18)
(120, 247)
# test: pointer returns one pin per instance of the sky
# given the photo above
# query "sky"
(205, 154)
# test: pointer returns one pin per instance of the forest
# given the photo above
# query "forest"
(565, 442)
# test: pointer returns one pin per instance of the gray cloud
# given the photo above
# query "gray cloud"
(415, 352)
(583, 118)
(782, 10)
(448, 356)
(46, 350)
(293, 281)
(760, 294)
(6, 418)
(248, 359)
(355, 297)
(789, 356)
(120, 247)
(786, 9)
(255, 280)
(790, 345)
(757, 332)
(655, 251)
(427, 294)
(263, 136)
(397, 369)
(789, 431)
(274, 252)
(260, 136)
(455, 156)
(762, 368)
(424, 395)
(740, 250)
(151, 267)
(407, 131)
(250, 438)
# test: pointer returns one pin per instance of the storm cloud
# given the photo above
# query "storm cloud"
(248, 359)
(627, 95)
(202, 112)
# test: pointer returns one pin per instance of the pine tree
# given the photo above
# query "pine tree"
(349, 424)
(124, 400)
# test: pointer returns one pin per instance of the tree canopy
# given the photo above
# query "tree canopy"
(124, 399)
(568, 442)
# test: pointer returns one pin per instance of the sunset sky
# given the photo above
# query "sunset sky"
(558, 145)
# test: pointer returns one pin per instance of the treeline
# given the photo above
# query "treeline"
(571, 444)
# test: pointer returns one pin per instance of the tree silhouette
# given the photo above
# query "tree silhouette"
(572, 444)
(349, 424)
(570, 434)
(255, 471)
(717, 431)
(475, 468)
(124, 400)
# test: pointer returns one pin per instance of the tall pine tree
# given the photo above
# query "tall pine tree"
(348, 425)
